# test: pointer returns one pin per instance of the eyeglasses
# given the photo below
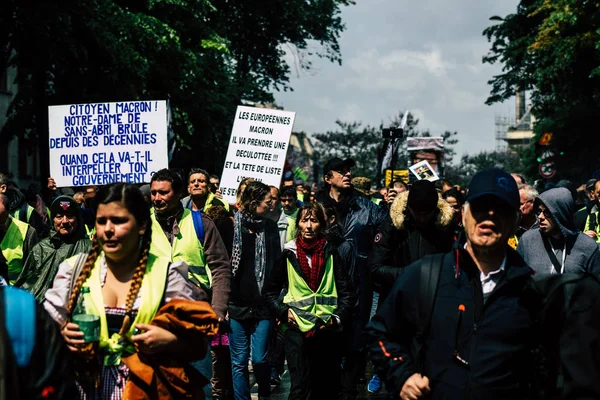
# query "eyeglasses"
(342, 171)
(544, 211)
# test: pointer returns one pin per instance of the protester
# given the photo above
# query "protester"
(421, 223)
(289, 205)
(16, 241)
(181, 234)
(20, 209)
(315, 307)
(527, 195)
(358, 219)
(456, 200)
(240, 190)
(591, 226)
(256, 252)
(222, 381)
(200, 197)
(35, 363)
(469, 319)
(68, 238)
(128, 289)
(276, 214)
(556, 246)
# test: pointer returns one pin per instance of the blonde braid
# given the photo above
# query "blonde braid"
(136, 280)
(86, 270)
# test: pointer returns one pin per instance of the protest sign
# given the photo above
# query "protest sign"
(102, 143)
(422, 170)
(257, 148)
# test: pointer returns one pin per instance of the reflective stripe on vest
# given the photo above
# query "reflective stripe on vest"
(12, 248)
(307, 306)
(587, 226)
(186, 247)
(151, 294)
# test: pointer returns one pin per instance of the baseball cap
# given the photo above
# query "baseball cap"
(494, 182)
(423, 196)
(336, 163)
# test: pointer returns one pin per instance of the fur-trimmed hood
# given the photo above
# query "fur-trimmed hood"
(397, 212)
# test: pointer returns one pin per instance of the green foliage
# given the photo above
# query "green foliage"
(469, 165)
(205, 56)
(366, 146)
(552, 47)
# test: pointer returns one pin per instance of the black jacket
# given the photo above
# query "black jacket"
(494, 337)
(245, 300)
(277, 284)
(399, 242)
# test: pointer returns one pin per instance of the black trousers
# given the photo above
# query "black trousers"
(314, 364)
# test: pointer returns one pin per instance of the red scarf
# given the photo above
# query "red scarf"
(315, 249)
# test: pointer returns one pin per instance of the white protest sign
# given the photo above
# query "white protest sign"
(257, 148)
(102, 143)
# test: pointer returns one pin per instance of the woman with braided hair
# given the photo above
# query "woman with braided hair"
(127, 286)
(316, 305)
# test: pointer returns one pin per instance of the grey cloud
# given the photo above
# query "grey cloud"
(421, 55)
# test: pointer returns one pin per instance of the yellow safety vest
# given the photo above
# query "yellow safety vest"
(209, 204)
(186, 247)
(15, 214)
(307, 306)
(151, 292)
(587, 226)
(291, 228)
(89, 232)
(12, 248)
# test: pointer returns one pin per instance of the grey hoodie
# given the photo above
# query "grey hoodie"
(582, 251)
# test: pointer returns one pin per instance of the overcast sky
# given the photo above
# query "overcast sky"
(422, 55)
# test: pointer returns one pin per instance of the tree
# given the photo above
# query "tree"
(552, 49)
(367, 147)
(205, 56)
(469, 165)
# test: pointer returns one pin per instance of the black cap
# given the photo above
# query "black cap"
(423, 196)
(336, 163)
(494, 182)
(63, 205)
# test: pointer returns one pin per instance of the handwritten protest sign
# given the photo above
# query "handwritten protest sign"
(102, 143)
(257, 148)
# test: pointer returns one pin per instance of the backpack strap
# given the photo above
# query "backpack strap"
(431, 267)
(19, 313)
(198, 226)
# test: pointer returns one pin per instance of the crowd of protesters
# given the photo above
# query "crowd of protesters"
(484, 292)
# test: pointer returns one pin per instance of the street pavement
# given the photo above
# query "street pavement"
(282, 391)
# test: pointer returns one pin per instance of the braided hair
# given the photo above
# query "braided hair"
(130, 197)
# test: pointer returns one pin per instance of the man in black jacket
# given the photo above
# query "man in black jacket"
(357, 220)
(479, 330)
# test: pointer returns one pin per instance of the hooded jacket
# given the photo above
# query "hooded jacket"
(42, 263)
(400, 242)
(582, 254)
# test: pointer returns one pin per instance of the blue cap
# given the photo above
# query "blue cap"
(494, 182)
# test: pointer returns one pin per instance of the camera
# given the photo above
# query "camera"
(392, 133)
